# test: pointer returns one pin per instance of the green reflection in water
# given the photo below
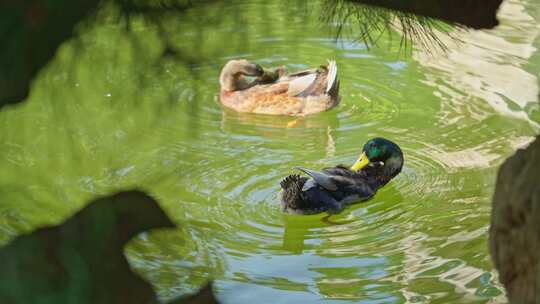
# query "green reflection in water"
(109, 114)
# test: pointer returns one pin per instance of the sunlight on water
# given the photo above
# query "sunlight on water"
(107, 119)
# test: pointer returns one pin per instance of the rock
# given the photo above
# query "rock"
(515, 225)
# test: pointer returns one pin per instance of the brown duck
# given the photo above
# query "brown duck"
(277, 92)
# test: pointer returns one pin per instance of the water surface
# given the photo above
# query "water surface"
(107, 114)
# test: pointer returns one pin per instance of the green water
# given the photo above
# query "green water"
(109, 114)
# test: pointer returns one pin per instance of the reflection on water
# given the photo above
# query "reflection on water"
(488, 65)
(95, 128)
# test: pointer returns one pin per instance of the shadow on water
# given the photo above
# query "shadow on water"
(33, 31)
(83, 260)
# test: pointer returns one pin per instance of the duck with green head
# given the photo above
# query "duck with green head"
(334, 188)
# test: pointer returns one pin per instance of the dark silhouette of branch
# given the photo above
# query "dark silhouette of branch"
(30, 34)
(470, 13)
(369, 23)
(32, 30)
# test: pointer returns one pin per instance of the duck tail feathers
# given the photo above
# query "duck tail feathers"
(292, 191)
(292, 181)
(332, 79)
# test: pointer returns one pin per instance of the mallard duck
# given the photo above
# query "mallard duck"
(334, 188)
(277, 92)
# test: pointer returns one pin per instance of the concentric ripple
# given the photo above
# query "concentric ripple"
(422, 238)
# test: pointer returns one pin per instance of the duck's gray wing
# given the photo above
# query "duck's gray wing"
(339, 180)
(329, 182)
(339, 171)
(320, 178)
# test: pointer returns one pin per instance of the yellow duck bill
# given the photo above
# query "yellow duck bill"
(361, 162)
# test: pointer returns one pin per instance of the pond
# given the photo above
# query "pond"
(110, 113)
